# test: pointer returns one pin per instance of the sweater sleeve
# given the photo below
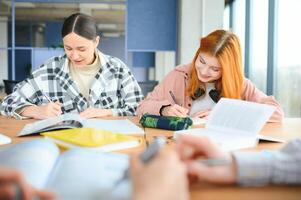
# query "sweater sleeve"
(251, 93)
(276, 167)
(174, 82)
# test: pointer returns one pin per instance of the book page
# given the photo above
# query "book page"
(228, 141)
(34, 159)
(84, 174)
(71, 121)
(245, 116)
(123, 126)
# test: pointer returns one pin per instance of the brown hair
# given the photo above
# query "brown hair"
(225, 46)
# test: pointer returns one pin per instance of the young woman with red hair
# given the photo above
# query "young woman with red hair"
(215, 72)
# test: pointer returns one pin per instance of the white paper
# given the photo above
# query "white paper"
(76, 174)
(84, 174)
(34, 159)
(117, 126)
(234, 124)
(123, 126)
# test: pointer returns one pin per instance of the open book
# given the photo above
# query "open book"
(234, 124)
(75, 121)
(75, 174)
(91, 138)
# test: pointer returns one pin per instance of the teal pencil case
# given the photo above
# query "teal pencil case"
(165, 122)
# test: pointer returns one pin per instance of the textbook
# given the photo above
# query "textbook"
(234, 124)
(70, 120)
(76, 174)
(91, 138)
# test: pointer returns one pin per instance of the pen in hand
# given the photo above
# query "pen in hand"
(174, 98)
(18, 192)
(146, 156)
(47, 97)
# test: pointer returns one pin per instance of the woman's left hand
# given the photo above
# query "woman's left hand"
(96, 112)
(202, 114)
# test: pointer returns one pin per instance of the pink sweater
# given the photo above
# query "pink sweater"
(177, 82)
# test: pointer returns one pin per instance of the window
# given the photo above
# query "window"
(239, 13)
(288, 73)
(287, 68)
(259, 43)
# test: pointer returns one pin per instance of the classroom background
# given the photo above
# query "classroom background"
(153, 36)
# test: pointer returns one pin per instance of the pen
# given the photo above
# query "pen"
(48, 99)
(146, 156)
(214, 161)
(18, 192)
(174, 98)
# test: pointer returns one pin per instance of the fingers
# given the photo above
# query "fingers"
(88, 113)
(176, 110)
(189, 146)
(224, 174)
(9, 175)
(135, 164)
(52, 109)
(96, 112)
(202, 114)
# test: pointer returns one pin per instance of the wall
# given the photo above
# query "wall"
(196, 19)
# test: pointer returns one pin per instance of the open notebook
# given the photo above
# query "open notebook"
(234, 124)
(75, 174)
(75, 121)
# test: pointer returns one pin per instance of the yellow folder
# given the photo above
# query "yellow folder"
(92, 138)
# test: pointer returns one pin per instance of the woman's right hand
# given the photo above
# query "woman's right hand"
(175, 110)
(51, 109)
(190, 148)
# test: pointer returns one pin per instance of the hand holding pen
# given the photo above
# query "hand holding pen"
(205, 161)
(155, 179)
(51, 109)
(175, 109)
(147, 155)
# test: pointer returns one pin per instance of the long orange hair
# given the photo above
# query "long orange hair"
(225, 46)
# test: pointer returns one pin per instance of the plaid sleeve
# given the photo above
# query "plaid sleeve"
(277, 167)
(130, 92)
(24, 94)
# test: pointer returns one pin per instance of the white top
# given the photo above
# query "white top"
(203, 103)
(83, 76)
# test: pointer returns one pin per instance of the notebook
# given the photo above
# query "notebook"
(4, 139)
(75, 174)
(91, 138)
(234, 124)
(69, 120)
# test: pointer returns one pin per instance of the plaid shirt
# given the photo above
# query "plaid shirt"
(276, 167)
(114, 87)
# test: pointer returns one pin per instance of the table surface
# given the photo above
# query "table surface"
(290, 128)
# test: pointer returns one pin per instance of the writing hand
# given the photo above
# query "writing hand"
(48, 110)
(175, 110)
(202, 114)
